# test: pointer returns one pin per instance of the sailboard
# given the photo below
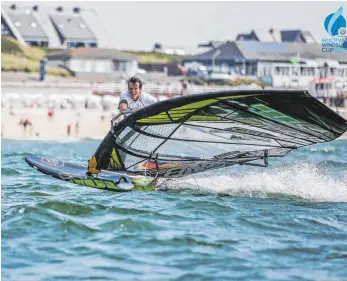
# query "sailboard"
(195, 133)
(78, 174)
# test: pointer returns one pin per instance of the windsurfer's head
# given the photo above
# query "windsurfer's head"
(134, 87)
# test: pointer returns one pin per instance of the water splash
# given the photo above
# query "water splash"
(304, 181)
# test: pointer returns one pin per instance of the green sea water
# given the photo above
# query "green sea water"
(284, 222)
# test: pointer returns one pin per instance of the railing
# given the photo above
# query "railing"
(167, 90)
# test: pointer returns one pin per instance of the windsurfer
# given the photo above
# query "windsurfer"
(134, 98)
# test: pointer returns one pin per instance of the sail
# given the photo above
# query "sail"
(195, 133)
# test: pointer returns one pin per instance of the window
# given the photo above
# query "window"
(70, 44)
(120, 66)
(295, 71)
(103, 66)
(311, 71)
(5, 30)
(74, 65)
(88, 66)
(33, 43)
(79, 44)
(277, 70)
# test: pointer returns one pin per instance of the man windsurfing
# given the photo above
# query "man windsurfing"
(134, 98)
(130, 100)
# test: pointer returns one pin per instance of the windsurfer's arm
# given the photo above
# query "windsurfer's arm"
(123, 107)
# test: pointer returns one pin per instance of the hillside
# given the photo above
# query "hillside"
(154, 57)
(15, 57)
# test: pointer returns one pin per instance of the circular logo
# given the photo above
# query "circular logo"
(334, 22)
(52, 161)
(342, 31)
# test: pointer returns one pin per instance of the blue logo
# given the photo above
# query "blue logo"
(334, 22)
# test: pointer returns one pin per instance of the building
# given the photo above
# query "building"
(23, 25)
(282, 65)
(95, 62)
(47, 27)
(272, 35)
(73, 31)
(168, 50)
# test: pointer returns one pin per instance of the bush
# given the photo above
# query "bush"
(10, 46)
(14, 63)
(13, 47)
(195, 80)
(58, 71)
(154, 57)
(11, 62)
(241, 81)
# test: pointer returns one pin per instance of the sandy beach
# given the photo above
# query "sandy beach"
(84, 123)
(90, 124)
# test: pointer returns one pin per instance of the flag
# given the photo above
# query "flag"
(295, 59)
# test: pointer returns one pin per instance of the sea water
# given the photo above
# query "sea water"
(284, 222)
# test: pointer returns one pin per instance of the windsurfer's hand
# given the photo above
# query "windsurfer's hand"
(128, 112)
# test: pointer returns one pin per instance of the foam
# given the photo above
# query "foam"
(305, 181)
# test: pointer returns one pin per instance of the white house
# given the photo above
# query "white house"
(95, 62)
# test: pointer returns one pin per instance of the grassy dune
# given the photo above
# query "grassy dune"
(15, 57)
(154, 57)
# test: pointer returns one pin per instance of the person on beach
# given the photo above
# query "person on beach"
(25, 122)
(184, 85)
(51, 113)
(77, 127)
(68, 129)
(134, 98)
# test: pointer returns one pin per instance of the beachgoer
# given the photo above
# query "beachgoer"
(134, 98)
(77, 127)
(51, 113)
(68, 128)
(184, 84)
(25, 122)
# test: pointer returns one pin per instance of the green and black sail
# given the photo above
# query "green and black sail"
(195, 133)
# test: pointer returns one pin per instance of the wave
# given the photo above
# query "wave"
(9, 172)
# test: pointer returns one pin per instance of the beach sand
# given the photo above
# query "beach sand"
(90, 124)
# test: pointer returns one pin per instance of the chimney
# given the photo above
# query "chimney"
(76, 10)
